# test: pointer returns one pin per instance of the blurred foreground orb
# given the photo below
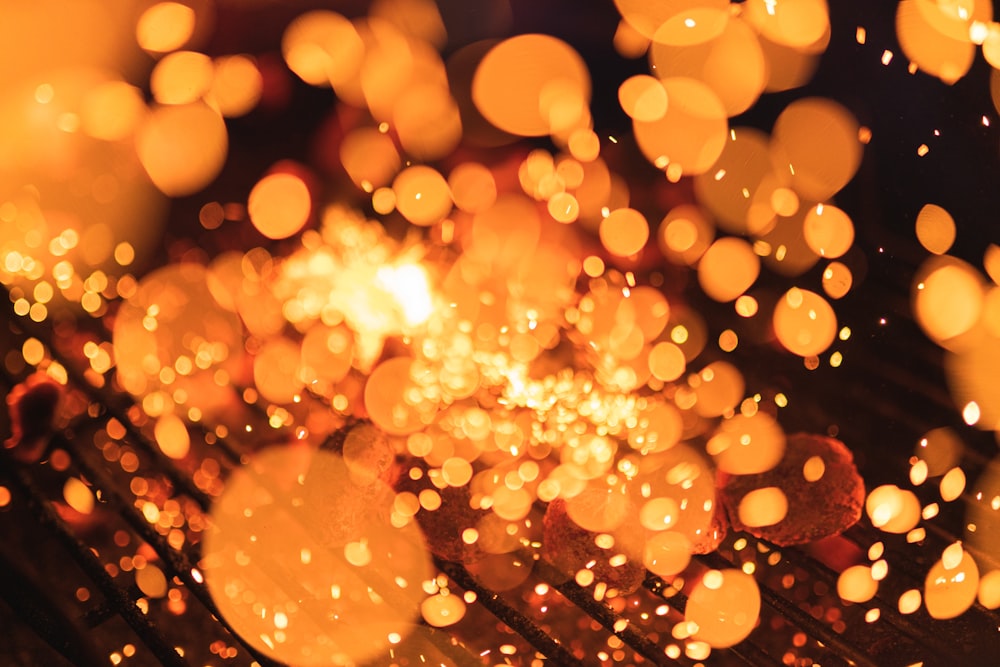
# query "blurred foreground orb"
(303, 561)
(725, 605)
(531, 85)
(182, 147)
(804, 322)
(173, 322)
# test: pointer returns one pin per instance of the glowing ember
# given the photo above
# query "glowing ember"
(78, 496)
(856, 584)
(279, 205)
(952, 583)
(724, 606)
(442, 610)
(151, 581)
(763, 507)
(989, 590)
(935, 229)
(892, 509)
(952, 484)
(165, 26)
(804, 322)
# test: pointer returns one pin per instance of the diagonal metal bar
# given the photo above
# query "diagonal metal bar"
(514, 619)
(91, 564)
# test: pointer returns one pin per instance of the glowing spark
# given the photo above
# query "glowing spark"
(971, 413)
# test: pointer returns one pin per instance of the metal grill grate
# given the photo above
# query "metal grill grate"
(63, 556)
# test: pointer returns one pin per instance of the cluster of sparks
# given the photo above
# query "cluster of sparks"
(518, 344)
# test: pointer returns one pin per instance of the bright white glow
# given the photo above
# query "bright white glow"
(408, 285)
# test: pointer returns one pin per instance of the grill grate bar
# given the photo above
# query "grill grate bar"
(604, 615)
(178, 563)
(34, 607)
(110, 403)
(888, 611)
(517, 621)
(747, 650)
(91, 565)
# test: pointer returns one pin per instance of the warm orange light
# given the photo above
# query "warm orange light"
(301, 512)
(730, 60)
(385, 391)
(279, 205)
(422, 195)
(643, 98)
(182, 148)
(322, 47)
(276, 371)
(837, 280)
(667, 553)
(728, 268)
(236, 87)
(724, 606)
(745, 445)
(922, 28)
(181, 77)
(794, 24)
(738, 187)
(935, 229)
(693, 21)
(369, 157)
(172, 436)
(804, 322)
(112, 110)
(691, 134)
(855, 584)
(818, 164)
(165, 26)
(427, 121)
(763, 507)
(952, 584)
(828, 231)
(948, 298)
(624, 232)
(892, 509)
(666, 361)
(513, 84)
